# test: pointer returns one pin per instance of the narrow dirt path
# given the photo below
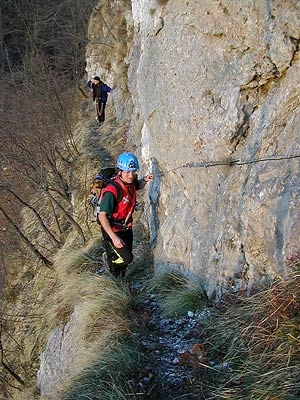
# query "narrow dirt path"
(163, 343)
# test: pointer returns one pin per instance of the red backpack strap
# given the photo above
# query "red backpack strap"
(113, 187)
(118, 193)
(131, 196)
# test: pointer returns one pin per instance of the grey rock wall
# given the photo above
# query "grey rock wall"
(215, 81)
(59, 358)
(211, 81)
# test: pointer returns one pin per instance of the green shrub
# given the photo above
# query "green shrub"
(177, 294)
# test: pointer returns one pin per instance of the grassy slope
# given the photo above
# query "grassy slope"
(256, 340)
(35, 295)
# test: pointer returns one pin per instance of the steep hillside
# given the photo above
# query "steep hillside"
(207, 95)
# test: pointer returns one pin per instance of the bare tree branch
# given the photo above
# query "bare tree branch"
(25, 240)
(5, 365)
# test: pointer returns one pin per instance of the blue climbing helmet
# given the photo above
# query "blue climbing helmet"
(127, 162)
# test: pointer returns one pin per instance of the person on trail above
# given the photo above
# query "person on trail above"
(115, 216)
(100, 94)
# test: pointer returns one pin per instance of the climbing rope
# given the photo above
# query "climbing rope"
(230, 162)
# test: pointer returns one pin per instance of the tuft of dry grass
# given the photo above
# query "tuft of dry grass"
(109, 377)
(259, 342)
(79, 285)
(98, 308)
(178, 294)
(73, 259)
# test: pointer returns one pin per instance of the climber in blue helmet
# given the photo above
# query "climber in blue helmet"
(115, 216)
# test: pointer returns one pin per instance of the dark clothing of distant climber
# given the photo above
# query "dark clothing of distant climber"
(100, 94)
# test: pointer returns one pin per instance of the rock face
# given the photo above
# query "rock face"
(219, 81)
(59, 357)
(216, 81)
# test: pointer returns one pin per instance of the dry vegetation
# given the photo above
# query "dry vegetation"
(38, 298)
(256, 342)
(51, 249)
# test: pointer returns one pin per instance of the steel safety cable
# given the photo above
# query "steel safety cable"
(230, 162)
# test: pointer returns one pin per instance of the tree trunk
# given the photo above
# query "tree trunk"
(25, 240)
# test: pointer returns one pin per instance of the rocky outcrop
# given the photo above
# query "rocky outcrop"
(216, 81)
(60, 357)
(219, 81)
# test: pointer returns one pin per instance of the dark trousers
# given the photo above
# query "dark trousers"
(101, 111)
(118, 259)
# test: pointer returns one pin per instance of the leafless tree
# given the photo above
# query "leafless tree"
(5, 365)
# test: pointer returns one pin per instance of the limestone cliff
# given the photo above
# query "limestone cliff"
(211, 81)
